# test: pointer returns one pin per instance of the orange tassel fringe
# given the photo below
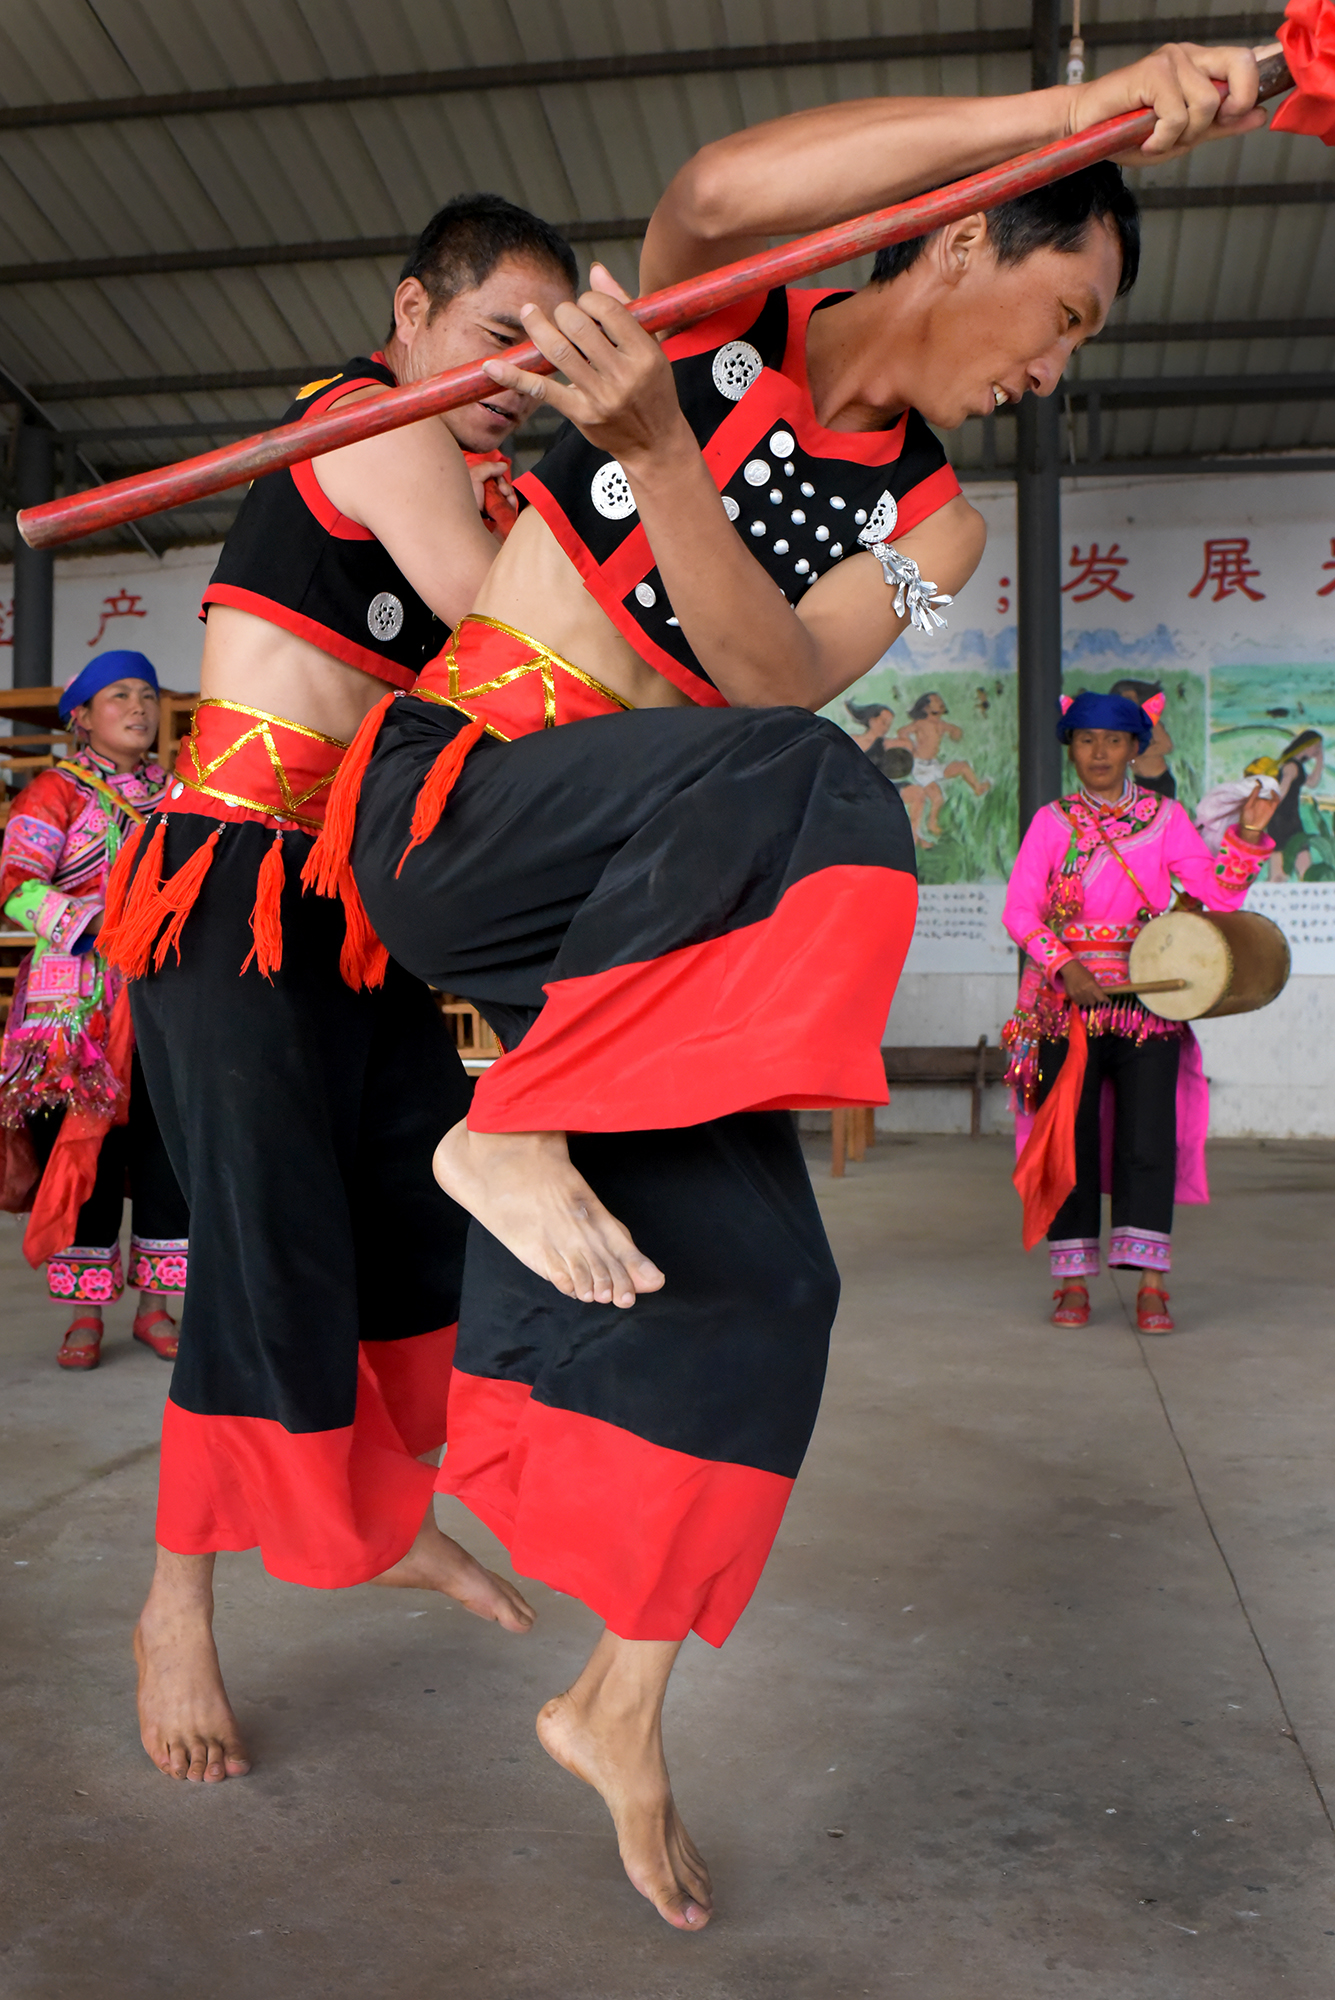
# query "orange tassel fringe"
(118, 882)
(126, 937)
(266, 919)
(177, 898)
(439, 783)
(328, 857)
(363, 959)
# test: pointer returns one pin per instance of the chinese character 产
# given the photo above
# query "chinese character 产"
(123, 605)
(1325, 589)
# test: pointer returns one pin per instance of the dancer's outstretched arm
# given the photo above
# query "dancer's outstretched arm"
(817, 167)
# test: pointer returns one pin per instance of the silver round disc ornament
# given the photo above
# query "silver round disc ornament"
(781, 444)
(646, 595)
(882, 523)
(609, 490)
(384, 616)
(755, 472)
(730, 507)
(735, 368)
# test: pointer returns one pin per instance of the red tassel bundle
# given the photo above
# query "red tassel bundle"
(363, 959)
(118, 881)
(439, 783)
(133, 916)
(177, 898)
(328, 858)
(266, 919)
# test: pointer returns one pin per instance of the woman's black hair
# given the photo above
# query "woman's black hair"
(1141, 691)
(465, 241)
(919, 708)
(866, 712)
(1054, 217)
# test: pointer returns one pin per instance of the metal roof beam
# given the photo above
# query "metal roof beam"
(1139, 332)
(611, 229)
(1135, 468)
(1223, 28)
(1129, 393)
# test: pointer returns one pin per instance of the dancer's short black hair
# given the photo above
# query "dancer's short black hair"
(866, 712)
(919, 708)
(465, 241)
(1053, 217)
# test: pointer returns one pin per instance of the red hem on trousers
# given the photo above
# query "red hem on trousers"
(325, 1508)
(655, 1542)
(777, 1015)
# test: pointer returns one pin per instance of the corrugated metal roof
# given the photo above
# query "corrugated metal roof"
(576, 151)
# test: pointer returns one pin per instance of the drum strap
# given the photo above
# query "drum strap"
(1122, 863)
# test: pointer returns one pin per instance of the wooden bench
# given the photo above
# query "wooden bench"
(853, 1129)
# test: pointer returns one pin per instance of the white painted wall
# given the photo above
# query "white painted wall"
(154, 607)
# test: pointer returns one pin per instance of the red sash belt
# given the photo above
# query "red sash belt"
(238, 764)
(512, 684)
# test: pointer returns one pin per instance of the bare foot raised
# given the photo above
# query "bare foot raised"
(522, 1187)
(435, 1562)
(186, 1722)
(622, 1758)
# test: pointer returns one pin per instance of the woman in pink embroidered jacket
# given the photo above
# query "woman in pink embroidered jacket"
(1092, 870)
(68, 1077)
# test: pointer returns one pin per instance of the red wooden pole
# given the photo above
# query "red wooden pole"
(678, 305)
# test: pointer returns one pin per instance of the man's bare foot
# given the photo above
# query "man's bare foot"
(622, 1758)
(522, 1187)
(186, 1722)
(434, 1562)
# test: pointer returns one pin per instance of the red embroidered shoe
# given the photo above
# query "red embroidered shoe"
(1072, 1304)
(163, 1344)
(77, 1355)
(1152, 1317)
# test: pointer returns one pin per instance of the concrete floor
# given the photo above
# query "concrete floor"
(1033, 1700)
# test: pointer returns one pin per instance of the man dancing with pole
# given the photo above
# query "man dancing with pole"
(608, 816)
(300, 1112)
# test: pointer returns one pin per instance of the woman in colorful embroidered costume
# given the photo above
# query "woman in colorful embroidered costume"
(68, 1078)
(1092, 870)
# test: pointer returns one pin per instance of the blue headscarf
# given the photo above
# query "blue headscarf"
(1105, 711)
(100, 673)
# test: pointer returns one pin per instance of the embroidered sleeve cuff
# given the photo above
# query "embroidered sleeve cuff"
(1240, 860)
(1047, 950)
(69, 923)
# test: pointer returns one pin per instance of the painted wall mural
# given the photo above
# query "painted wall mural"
(1220, 593)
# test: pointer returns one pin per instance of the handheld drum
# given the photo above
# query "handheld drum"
(1206, 963)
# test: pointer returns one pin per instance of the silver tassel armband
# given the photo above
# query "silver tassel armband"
(914, 595)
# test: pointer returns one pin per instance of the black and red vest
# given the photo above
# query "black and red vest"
(798, 494)
(292, 558)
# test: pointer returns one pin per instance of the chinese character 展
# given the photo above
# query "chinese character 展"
(1097, 572)
(1325, 589)
(123, 605)
(1229, 568)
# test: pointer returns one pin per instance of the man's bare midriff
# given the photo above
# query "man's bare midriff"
(532, 585)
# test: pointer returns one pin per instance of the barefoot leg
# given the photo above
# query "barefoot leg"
(435, 1562)
(608, 1730)
(522, 1187)
(186, 1723)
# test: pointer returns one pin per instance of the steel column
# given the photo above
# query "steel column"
(34, 569)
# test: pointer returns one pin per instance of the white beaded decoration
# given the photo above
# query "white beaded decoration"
(808, 490)
(860, 516)
(781, 547)
(797, 517)
(802, 567)
(822, 533)
(736, 367)
(836, 550)
(610, 492)
(757, 527)
(775, 496)
(835, 501)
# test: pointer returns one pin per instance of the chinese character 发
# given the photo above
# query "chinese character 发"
(1227, 567)
(123, 605)
(1324, 589)
(1097, 574)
